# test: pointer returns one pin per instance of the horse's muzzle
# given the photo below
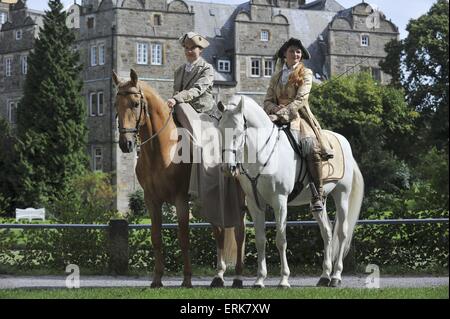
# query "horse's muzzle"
(126, 145)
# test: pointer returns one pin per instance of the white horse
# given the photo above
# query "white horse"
(269, 178)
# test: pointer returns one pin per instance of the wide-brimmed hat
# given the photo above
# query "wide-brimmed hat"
(293, 42)
(194, 39)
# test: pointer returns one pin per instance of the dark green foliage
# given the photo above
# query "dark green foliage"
(420, 64)
(137, 204)
(88, 200)
(51, 123)
(377, 122)
(8, 179)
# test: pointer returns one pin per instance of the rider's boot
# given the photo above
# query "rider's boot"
(316, 185)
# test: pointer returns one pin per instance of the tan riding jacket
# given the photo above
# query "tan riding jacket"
(295, 100)
(195, 87)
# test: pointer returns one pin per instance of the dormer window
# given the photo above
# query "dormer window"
(19, 34)
(157, 19)
(265, 35)
(90, 22)
(224, 66)
(364, 40)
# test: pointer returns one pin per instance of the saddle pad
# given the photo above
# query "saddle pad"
(334, 169)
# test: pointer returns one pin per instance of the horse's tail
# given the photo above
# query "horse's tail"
(354, 209)
(230, 247)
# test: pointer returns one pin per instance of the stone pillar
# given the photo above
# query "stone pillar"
(118, 247)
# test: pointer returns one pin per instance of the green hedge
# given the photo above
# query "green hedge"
(412, 247)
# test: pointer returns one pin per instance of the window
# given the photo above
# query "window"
(265, 35)
(94, 60)
(93, 104)
(8, 66)
(142, 53)
(365, 40)
(24, 64)
(96, 104)
(157, 19)
(12, 112)
(268, 68)
(3, 17)
(157, 54)
(90, 22)
(19, 34)
(97, 158)
(255, 68)
(100, 107)
(224, 66)
(376, 74)
(101, 54)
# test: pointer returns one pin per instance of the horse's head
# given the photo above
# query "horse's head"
(132, 109)
(232, 126)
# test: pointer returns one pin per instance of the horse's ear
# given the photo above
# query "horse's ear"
(222, 108)
(115, 78)
(134, 77)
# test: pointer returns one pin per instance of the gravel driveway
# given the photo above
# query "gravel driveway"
(12, 282)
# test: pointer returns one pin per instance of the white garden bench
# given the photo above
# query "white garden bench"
(30, 214)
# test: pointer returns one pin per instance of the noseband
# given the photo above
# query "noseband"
(143, 109)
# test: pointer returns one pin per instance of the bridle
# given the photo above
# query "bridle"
(143, 106)
(254, 180)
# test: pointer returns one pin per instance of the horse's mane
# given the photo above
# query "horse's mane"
(154, 99)
(251, 106)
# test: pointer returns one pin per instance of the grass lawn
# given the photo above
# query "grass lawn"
(244, 294)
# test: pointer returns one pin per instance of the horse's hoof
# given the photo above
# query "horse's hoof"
(335, 283)
(323, 282)
(217, 283)
(258, 286)
(238, 284)
(156, 285)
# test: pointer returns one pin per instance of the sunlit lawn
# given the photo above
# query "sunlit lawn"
(203, 293)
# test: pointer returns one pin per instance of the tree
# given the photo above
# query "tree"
(51, 117)
(8, 180)
(377, 122)
(420, 65)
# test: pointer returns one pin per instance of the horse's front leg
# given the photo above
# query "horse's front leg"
(280, 209)
(156, 216)
(182, 207)
(259, 219)
(219, 235)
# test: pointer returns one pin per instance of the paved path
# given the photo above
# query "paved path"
(12, 282)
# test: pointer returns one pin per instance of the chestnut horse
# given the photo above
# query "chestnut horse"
(142, 112)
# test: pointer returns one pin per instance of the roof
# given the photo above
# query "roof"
(216, 22)
(309, 25)
(323, 5)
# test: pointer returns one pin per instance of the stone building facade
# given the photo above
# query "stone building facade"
(143, 35)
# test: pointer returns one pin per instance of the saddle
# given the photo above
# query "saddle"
(332, 169)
